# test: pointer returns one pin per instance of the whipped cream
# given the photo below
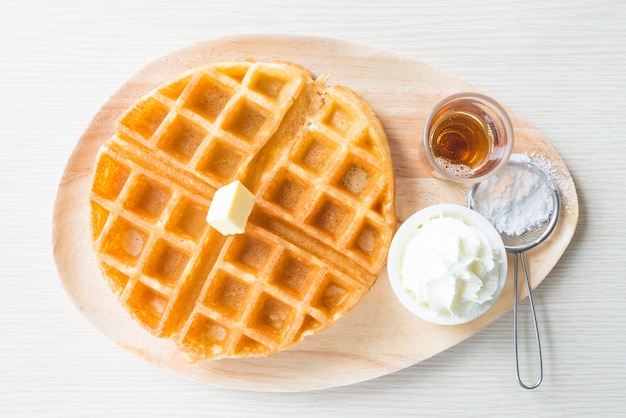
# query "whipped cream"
(450, 267)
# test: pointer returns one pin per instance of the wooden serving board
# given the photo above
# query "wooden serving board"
(379, 336)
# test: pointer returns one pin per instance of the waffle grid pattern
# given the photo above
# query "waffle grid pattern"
(260, 292)
(332, 152)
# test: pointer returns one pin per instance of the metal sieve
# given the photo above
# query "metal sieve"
(517, 244)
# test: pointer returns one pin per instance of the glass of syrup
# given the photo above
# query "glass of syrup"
(468, 137)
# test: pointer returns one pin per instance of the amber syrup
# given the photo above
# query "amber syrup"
(462, 139)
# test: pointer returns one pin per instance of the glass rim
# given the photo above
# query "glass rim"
(497, 110)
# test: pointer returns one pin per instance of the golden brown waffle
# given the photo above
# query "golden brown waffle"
(318, 162)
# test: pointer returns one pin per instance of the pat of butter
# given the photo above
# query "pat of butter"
(230, 208)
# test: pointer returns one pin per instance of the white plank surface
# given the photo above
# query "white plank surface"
(362, 345)
(560, 65)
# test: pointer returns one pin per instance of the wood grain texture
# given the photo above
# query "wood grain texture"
(379, 336)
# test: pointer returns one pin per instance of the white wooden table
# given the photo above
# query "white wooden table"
(560, 65)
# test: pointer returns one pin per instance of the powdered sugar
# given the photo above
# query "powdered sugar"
(516, 200)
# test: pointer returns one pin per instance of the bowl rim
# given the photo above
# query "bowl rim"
(469, 216)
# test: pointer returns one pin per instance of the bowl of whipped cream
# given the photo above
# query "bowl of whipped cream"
(447, 264)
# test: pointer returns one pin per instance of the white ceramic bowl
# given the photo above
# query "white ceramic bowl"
(398, 244)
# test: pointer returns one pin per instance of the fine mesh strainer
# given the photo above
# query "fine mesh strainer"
(517, 244)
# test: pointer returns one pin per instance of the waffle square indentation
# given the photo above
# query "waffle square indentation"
(236, 72)
(330, 216)
(208, 98)
(247, 120)
(367, 239)
(152, 304)
(267, 84)
(378, 205)
(117, 280)
(272, 317)
(188, 219)
(221, 160)
(248, 253)
(314, 152)
(206, 335)
(124, 241)
(366, 142)
(145, 117)
(247, 346)
(165, 263)
(175, 89)
(227, 295)
(355, 177)
(147, 198)
(293, 275)
(181, 139)
(287, 191)
(338, 118)
(111, 175)
(99, 216)
(331, 296)
(309, 326)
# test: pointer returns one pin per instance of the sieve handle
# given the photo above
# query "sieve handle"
(534, 317)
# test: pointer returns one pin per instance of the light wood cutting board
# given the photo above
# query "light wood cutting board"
(379, 336)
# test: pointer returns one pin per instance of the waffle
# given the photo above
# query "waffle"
(318, 162)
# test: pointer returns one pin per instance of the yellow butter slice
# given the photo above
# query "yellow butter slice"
(230, 208)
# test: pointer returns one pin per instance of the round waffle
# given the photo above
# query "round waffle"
(318, 162)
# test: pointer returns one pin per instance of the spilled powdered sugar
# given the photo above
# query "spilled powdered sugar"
(552, 171)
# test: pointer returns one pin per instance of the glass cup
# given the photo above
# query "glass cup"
(468, 137)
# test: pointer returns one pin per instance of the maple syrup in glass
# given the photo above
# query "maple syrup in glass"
(468, 137)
